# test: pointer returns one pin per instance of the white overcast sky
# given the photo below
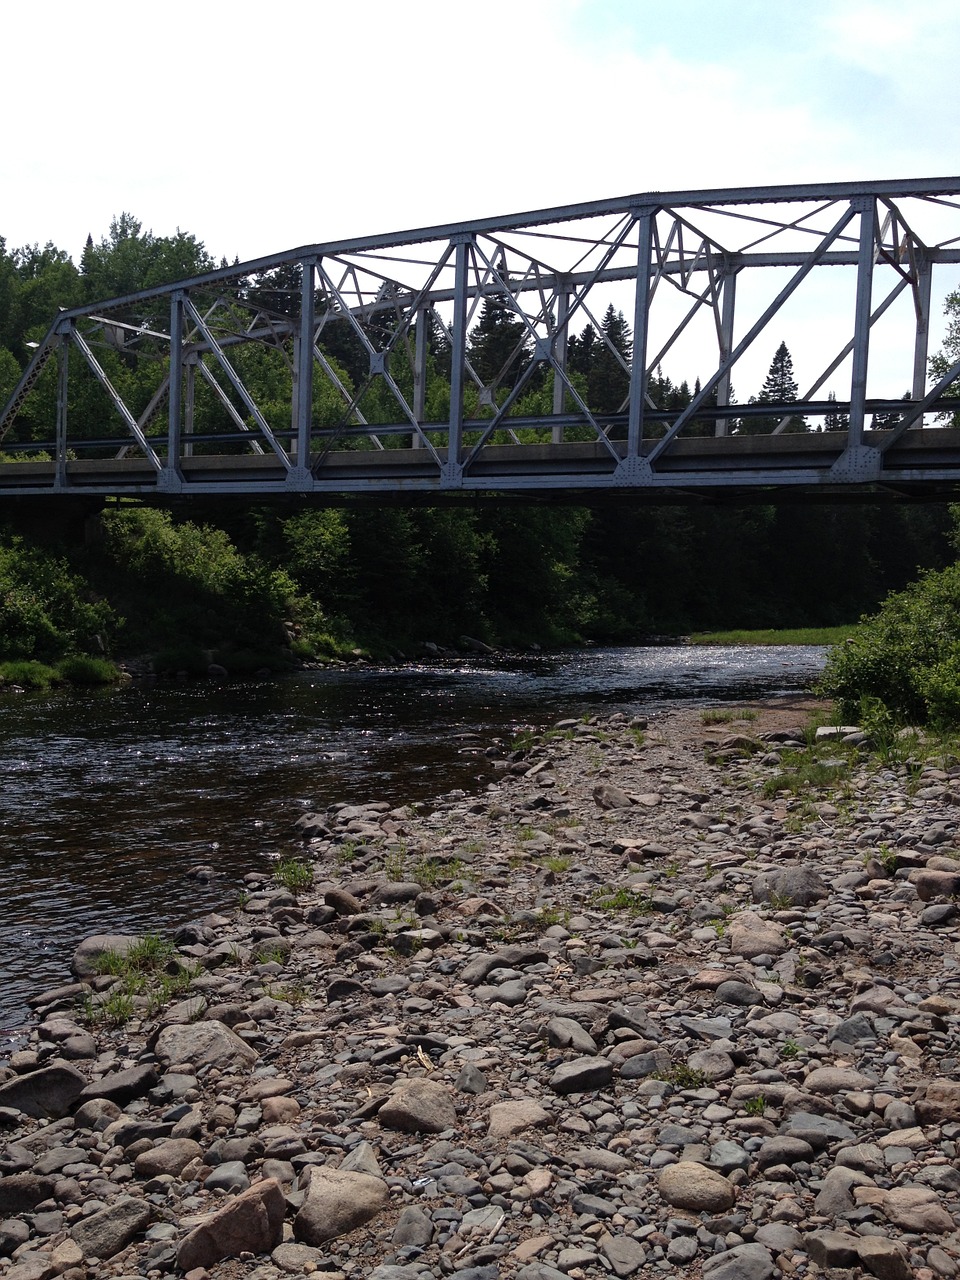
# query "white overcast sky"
(259, 127)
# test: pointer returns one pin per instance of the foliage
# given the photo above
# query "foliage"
(45, 611)
(293, 874)
(906, 657)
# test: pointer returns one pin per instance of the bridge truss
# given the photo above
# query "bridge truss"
(163, 392)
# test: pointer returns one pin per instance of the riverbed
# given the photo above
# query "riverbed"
(111, 796)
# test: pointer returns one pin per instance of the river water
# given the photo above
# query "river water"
(110, 796)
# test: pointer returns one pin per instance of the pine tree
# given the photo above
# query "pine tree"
(499, 348)
(834, 420)
(779, 387)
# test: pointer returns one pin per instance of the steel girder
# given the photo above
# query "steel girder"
(234, 381)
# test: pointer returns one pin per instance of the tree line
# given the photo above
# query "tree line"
(388, 577)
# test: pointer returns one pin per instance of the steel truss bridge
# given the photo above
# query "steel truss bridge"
(161, 393)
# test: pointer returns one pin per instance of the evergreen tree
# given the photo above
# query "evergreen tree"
(780, 388)
(499, 347)
(834, 420)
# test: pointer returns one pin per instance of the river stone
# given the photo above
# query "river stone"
(205, 1044)
(22, 1192)
(801, 886)
(171, 1156)
(913, 1209)
(413, 1228)
(252, 1223)
(122, 1086)
(109, 1230)
(509, 1118)
(564, 1033)
(837, 1080)
(743, 1262)
(336, 1202)
(581, 1075)
(49, 1092)
(693, 1186)
(89, 954)
(418, 1106)
(750, 935)
(624, 1254)
(884, 1258)
(608, 796)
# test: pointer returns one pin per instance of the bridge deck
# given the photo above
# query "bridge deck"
(927, 459)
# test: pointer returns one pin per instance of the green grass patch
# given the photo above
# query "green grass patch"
(293, 874)
(28, 674)
(788, 635)
(622, 899)
(82, 669)
(726, 715)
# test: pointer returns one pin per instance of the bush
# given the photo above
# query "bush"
(44, 614)
(906, 657)
(81, 669)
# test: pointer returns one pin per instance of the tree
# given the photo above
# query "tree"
(779, 388)
(834, 420)
(499, 347)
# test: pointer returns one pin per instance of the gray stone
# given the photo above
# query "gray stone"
(565, 1033)
(743, 1262)
(109, 1230)
(22, 1192)
(88, 958)
(418, 1106)
(800, 886)
(884, 1258)
(582, 1075)
(122, 1087)
(230, 1176)
(693, 1186)
(335, 1202)
(624, 1254)
(50, 1092)
(832, 1248)
(251, 1223)
(413, 1228)
(205, 1044)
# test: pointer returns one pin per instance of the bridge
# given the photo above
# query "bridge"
(230, 384)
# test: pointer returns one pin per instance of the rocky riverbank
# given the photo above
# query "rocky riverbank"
(632, 1011)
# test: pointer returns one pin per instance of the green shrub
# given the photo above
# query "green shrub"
(81, 669)
(905, 658)
(45, 612)
(30, 675)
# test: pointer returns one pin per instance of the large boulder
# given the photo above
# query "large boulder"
(418, 1106)
(106, 1232)
(251, 1223)
(688, 1185)
(51, 1091)
(337, 1201)
(205, 1044)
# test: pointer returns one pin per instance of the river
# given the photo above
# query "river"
(110, 796)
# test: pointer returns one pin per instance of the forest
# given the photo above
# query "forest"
(267, 584)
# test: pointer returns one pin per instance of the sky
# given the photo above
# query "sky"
(258, 128)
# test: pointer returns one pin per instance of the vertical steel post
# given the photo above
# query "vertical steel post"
(421, 347)
(922, 301)
(865, 205)
(728, 305)
(641, 318)
(175, 421)
(303, 366)
(458, 357)
(189, 400)
(63, 381)
(560, 361)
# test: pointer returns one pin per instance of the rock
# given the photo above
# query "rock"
(624, 1254)
(204, 1044)
(22, 1192)
(122, 1086)
(413, 1228)
(694, 1186)
(564, 1033)
(608, 796)
(251, 1223)
(88, 958)
(742, 1262)
(336, 1202)
(837, 1080)
(750, 935)
(794, 886)
(510, 1118)
(582, 1075)
(171, 1157)
(50, 1092)
(418, 1106)
(109, 1230)
(884, 1258)
(832, 1248)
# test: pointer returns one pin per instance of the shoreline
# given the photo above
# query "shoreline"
(531, 1031)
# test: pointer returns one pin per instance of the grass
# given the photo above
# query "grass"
(622, 899)
(725, 715)
(789, 635)
(557, 863)
(76, 670)
(682, 1077)
(293, 874)
(149, 976)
